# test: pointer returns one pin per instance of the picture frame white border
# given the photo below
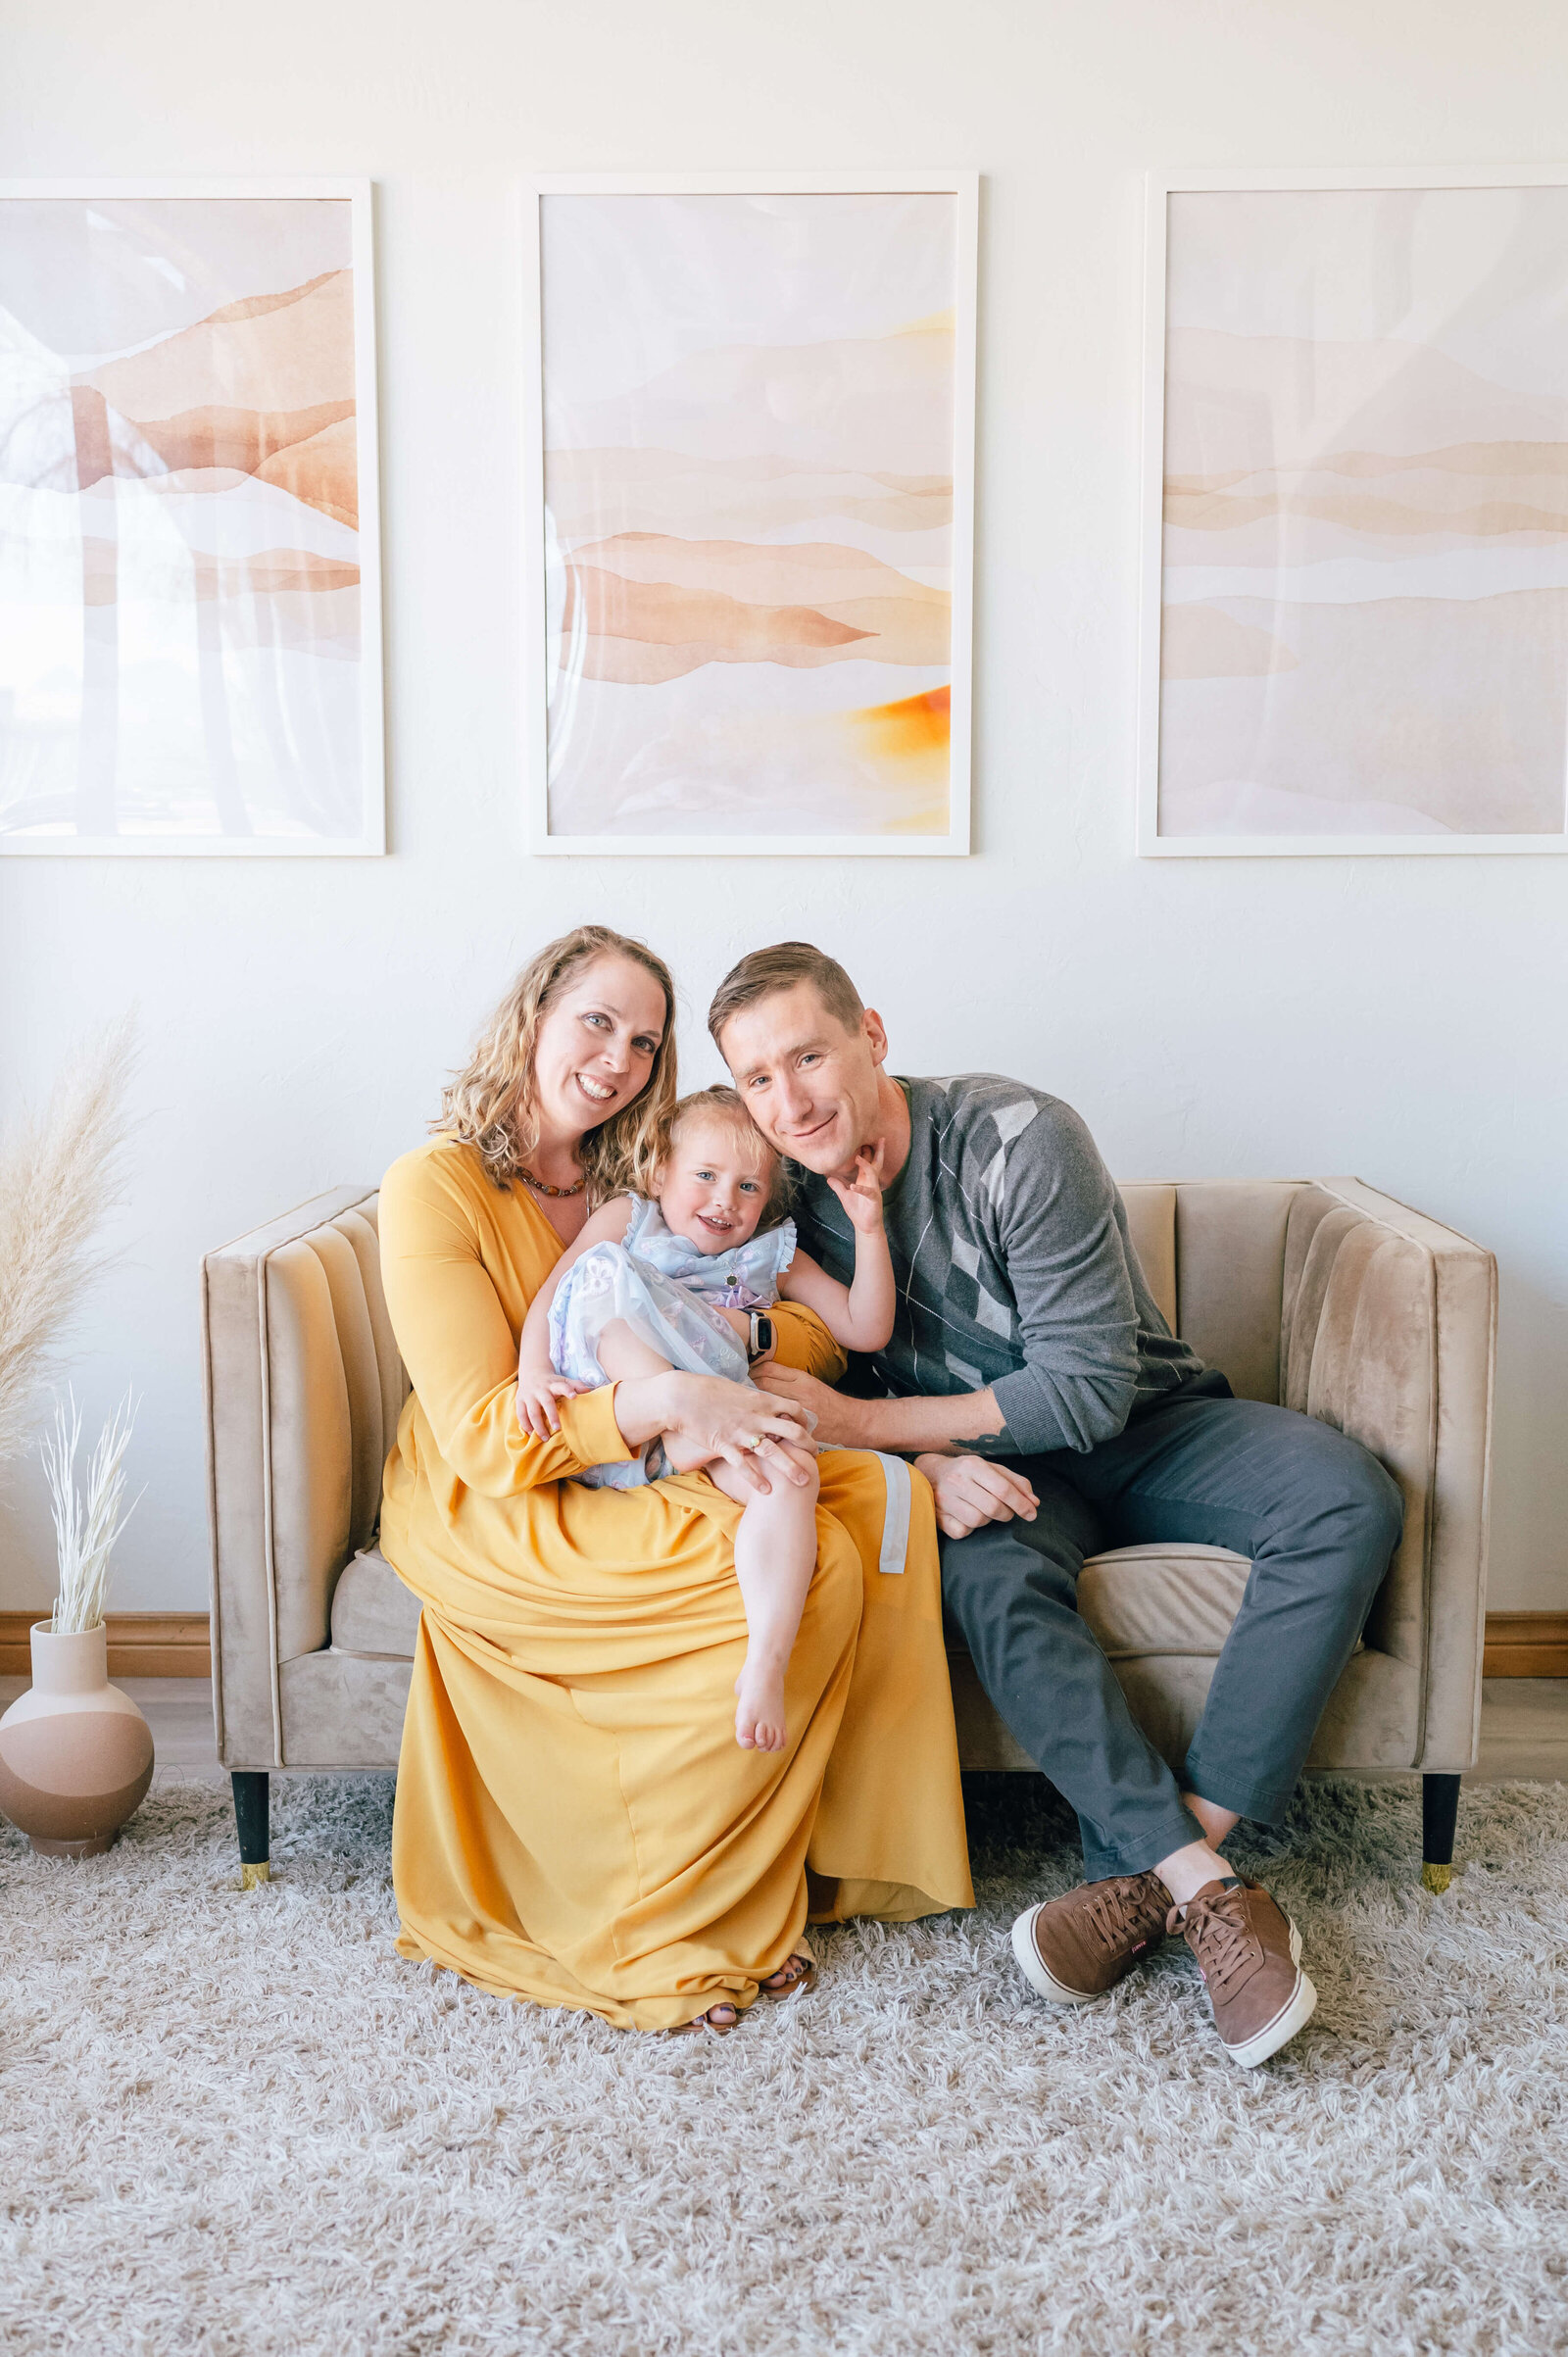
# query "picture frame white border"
(371, 840)
(1179, 180)
(964, 186)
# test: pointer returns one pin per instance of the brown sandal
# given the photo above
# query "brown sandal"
(793, 1977)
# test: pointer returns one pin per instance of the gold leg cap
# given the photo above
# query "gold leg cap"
(1433, 1878)
(252, 1877)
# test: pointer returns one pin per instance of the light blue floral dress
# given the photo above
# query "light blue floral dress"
(670, 1293)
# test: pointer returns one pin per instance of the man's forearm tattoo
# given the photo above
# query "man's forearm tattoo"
(990, 1444)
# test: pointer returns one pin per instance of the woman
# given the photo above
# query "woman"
(575, 1823)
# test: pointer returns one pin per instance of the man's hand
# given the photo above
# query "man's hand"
(970, 1493)
(836, 1416)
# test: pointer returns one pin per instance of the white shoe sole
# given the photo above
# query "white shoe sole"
(1295, 2014)
(1042, 1982)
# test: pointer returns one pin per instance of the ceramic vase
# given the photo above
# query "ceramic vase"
(75, 1754)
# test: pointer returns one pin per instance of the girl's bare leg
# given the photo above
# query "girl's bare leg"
(776, 1555)
(623, 1351)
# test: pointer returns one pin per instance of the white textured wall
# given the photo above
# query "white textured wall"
(1401, 1019)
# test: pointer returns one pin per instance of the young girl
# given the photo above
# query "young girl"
(680, 1281)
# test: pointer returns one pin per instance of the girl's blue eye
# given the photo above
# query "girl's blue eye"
(750, 1187)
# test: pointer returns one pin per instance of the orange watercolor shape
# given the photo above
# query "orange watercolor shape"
(914, 731)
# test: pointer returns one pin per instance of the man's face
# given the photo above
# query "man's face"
(809, 1085)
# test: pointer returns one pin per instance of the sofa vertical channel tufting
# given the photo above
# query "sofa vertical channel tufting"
(1321, 1294)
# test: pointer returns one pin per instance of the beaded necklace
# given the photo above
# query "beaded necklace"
(543, 1186)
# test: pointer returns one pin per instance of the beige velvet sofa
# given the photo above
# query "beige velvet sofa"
(1319, 1293)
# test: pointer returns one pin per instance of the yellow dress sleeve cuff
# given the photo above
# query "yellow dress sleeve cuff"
(589, 1428)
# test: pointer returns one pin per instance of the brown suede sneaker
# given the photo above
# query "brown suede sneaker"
(1250, 1955)
(1074, 1949)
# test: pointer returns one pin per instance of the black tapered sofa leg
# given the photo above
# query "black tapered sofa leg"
(250, 1821)
(1439, 1814)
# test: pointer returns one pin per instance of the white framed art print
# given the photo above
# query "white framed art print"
(750, 536)
(190, 649)
(1356, 524)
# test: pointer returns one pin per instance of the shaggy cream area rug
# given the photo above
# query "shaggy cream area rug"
(241, 2125)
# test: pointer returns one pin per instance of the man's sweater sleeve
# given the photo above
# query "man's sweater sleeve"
(1077, 1318)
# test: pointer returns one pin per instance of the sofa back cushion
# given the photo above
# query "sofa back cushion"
(1213, 1254)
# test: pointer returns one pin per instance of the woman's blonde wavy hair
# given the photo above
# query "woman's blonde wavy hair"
(490, 1103)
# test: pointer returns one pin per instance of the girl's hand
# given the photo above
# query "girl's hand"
(754, 1434)
(861, 1193)
(537, 1394)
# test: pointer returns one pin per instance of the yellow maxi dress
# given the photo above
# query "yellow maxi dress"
(576, 1822)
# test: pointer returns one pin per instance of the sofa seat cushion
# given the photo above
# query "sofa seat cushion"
(372, 1613)
(1138, 1599)
(1164, 1598)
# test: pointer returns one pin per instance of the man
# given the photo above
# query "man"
(1035, 1384)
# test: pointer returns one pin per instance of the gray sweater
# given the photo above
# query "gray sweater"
(1014, 1267)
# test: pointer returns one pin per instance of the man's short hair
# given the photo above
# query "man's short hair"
(765, 973)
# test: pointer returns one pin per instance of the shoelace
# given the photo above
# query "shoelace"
(1220, 1938)
(1117, 1918)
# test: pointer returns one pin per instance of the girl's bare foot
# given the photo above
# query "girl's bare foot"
(759, 1706)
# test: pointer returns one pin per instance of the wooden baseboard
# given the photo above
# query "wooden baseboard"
(175, 1644)
(1525, 1644)
(141, 1644)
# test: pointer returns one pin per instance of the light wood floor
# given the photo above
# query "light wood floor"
(1524, 1726)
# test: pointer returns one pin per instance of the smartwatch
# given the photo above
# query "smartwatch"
(761, 1341)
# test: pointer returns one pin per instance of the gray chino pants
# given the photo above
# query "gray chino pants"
(1318, 1517)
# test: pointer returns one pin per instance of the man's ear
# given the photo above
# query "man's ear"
(875, 1034)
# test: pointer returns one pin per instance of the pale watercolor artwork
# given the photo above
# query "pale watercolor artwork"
(749, 450)
(1364, 577)
(182, 644)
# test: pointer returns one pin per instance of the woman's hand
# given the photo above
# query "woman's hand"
(861, 1193)
(537, 1394)
(709, 1416)
(837, 1416)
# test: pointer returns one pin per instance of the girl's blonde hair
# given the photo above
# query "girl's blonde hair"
(490, 1103)
(728, 1107)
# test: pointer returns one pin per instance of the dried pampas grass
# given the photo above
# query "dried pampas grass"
(86, 1524)
(59, 1173)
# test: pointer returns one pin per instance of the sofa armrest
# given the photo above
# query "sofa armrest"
(1388, 1332)
(294, 1452)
